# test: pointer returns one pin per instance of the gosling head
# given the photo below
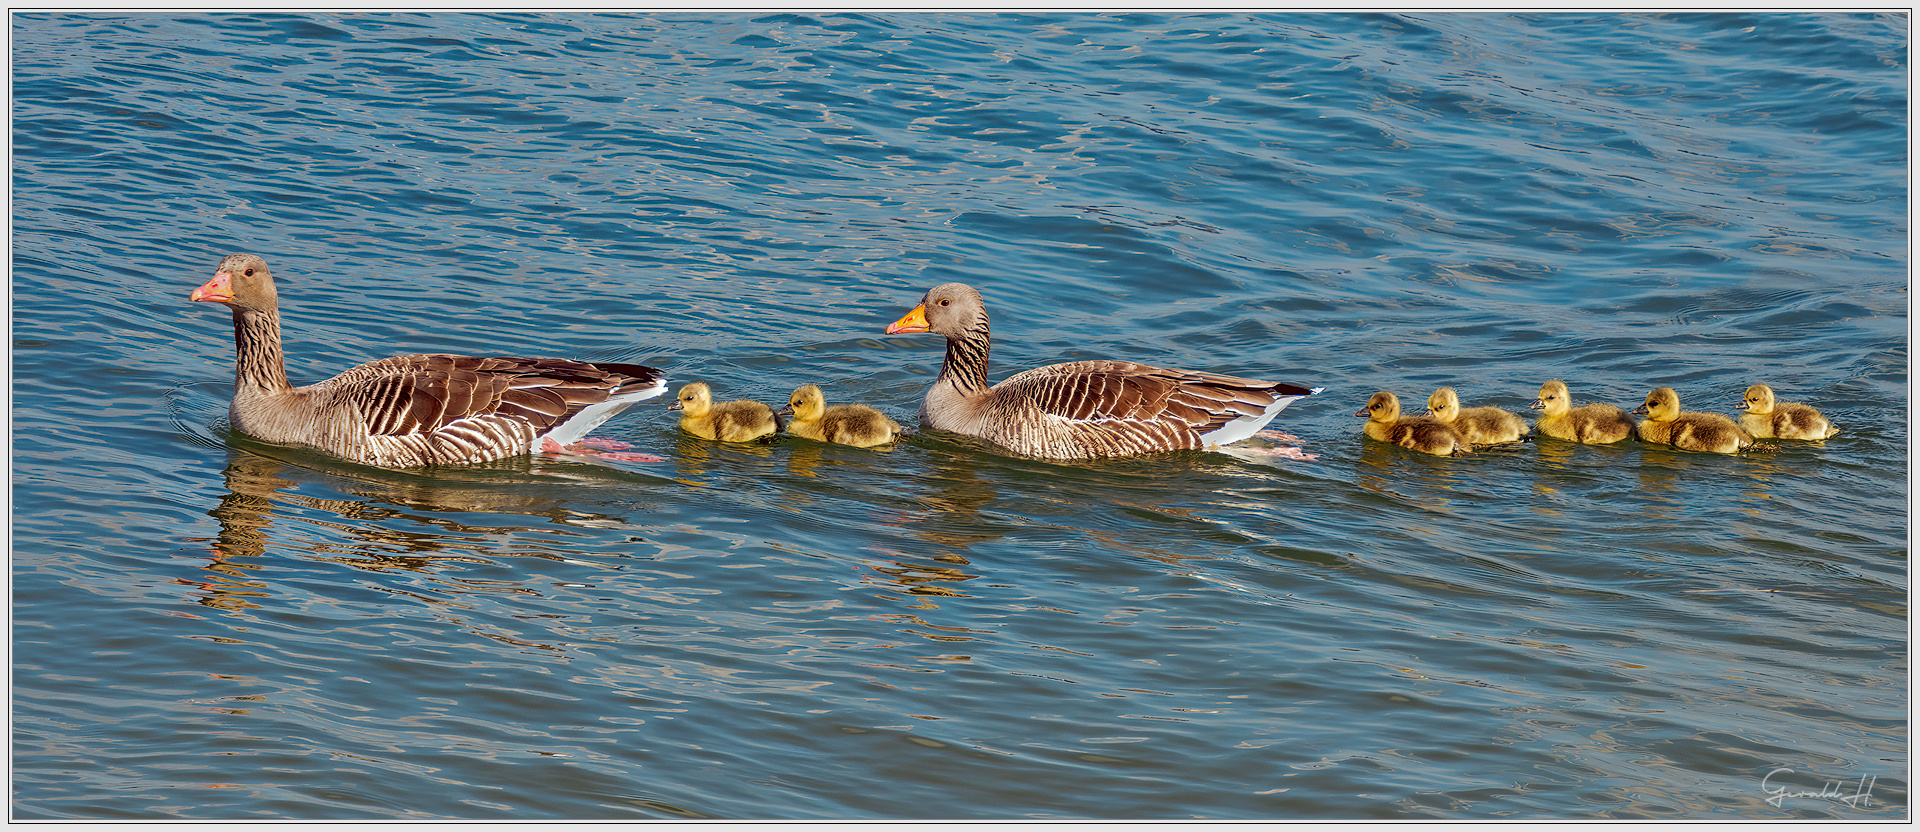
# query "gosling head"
(806, 404)
(1383, 407)
(1554, 398)
(1444, 404)
(1662, 405)
(696, 399)
(1759, 400)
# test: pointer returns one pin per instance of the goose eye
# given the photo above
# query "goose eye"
(249, 272)
(946, 303)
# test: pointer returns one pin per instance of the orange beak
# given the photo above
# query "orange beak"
(915, 321)
(220, 288)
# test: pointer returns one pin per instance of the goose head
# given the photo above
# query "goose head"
(1662, 405)
(1444, 404)
(950, 309)
(1759, 400)
(242, 282)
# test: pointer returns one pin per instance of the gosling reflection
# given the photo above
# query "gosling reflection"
(923, 581)
(806, 458)
(694, 457)
(1387, 472)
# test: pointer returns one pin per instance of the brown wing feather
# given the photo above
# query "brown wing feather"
(413, 394)
(1124, 391)
(1118, 408)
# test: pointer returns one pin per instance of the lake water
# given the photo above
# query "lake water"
(205, 627)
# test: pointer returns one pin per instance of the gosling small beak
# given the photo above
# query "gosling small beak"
(1538, 404)
(915, 321)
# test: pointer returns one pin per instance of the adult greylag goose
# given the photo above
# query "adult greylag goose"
(1082, 409)
(1590, 424)
(845, 424)
(743, 420)
(1420, 433)
(412, 410)
(1666, 424)
(1766, 418)
(1477, 425)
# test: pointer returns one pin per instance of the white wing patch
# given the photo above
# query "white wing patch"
(1247, 426)
(575, 429)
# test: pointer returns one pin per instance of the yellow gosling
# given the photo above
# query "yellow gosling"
(1420, 433)
(1592, 424)
(736, 421)
(1769, 419)
(1667, 425)
(844, 424)
(1478, 425)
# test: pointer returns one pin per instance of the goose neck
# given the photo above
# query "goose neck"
(966, 364)
(258, 360)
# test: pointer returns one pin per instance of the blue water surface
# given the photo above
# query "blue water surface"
(207, 627)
